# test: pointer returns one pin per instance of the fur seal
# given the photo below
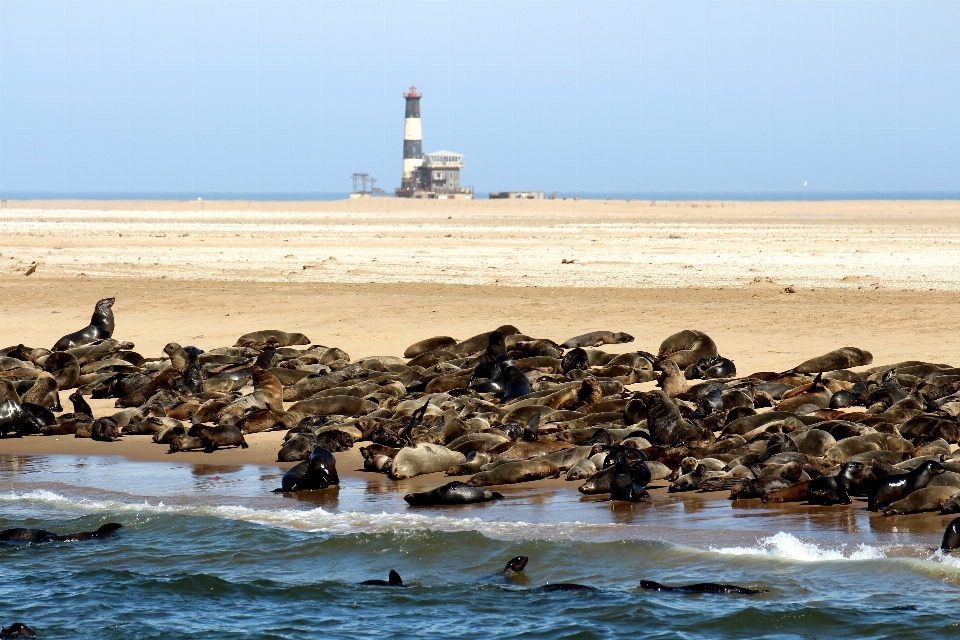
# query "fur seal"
(515, 382)
(437, 343)
(16, 420)
(513, 571)
(17, 630)
(424, 458)
(100, 328)
(271, 338)
(513, 472)
(930, 498)
(597, 338)
(895, 487)
(451, 493)
(703, 587)
(830, 490)
(105, 429)
(393, 580)
(573, 360)
(214, 437)
(673, 381)
(319, 471)
(951, 537)
(39, 535)
(686, 347)
(622, 485)
(843, 358)
(335, 405)
(480, 341)
(44, 392)
(64, 368)
(711, 367)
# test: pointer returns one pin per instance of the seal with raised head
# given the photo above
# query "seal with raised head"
(514, 569)
(702, 587)
(100, 328)
(451, 493)
(830, 490)
(951, 537)
(393, 580)
(39, 535)
(892, 488)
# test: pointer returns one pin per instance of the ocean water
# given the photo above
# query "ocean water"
(210, 552)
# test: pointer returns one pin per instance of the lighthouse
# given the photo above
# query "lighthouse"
(412, 143)
(431, 175)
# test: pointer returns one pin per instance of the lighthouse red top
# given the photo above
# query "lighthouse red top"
(412, 93)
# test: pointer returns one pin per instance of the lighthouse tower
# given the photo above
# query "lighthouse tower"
(412, 144)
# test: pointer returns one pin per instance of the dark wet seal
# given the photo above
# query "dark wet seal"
(703, 587)
(393, 581)
(17, 630)
(39, 535)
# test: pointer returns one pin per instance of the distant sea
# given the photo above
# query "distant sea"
(482, 195)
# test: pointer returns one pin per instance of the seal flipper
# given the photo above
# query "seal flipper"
(394, 579)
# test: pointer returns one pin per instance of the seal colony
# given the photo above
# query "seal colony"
(504, 407)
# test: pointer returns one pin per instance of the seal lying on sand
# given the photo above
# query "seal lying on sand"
(100, 328)
(39, 535)
(451, 493)
(702, 587)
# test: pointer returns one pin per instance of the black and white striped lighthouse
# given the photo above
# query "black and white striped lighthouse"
(412, 143)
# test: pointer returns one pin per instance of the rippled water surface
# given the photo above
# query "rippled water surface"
(209, 552)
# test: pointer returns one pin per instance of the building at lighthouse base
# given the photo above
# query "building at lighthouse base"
(438, 177)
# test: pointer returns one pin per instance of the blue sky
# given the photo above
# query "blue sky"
(656, 97)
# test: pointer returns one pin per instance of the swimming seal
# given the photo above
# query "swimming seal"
(951, 537)
(451, 493)
(39, 535)
(392, 581)
(514, 568)
(895, 487)
(100, 328)
(597, 338)
(702, 587)
(17, 630)
(319, 471)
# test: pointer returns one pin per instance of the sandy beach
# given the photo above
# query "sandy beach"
(374, 276)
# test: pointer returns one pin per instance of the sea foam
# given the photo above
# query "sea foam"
(789, 547)
(321, 520)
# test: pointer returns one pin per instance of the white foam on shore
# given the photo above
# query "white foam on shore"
(320, 520)
(789, 547)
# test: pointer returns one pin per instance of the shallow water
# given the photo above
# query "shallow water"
(209, 552)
